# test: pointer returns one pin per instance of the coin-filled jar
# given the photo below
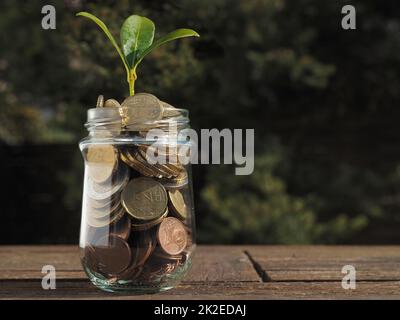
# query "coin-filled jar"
(138, 227)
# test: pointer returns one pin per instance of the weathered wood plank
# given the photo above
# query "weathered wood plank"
(219, 272)
(210, 263)
(213, 290)
(322, 263)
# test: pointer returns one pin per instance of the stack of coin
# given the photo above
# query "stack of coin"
(138, 213)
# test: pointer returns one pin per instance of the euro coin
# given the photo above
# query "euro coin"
(113, 254)
(141, 108)
(144, 199)
(112, 103)
(171, 236)
(102, 192)
(101, 162)
(170, 111)
(107, 220)
(137, 225)
(100, 101)
(122, 228)
(178, 204)
(176, 182)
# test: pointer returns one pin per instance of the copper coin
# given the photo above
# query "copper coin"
(171, 236)
(122, 228)
(156, 268)
(162, 255)
(113, 254)
(131, 273)
(90, 258)
(142, 246)
(146, 247)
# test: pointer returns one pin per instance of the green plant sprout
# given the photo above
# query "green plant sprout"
(137, 36)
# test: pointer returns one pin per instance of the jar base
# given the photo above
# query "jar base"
(139, 287)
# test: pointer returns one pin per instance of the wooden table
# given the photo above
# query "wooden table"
(220, 272)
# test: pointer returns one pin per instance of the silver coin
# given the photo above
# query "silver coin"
(106, 210)
(104, 191)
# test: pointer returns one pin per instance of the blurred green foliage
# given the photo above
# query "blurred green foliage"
(323, 102)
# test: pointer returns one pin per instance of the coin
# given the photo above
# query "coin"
(106, 210)
(101, 161)
(112, 103)
(159, 170)
(100, 101)
(171, 236)
(132, 273)
(90, 258)
(163, 151)
(136, 158)
(141, 108)
(146, 246)
(144, 199)
(122, 228)
(101, 154)
(140, 226)
(159, 253)
(178, 203)
(170, 111)
(142, 245)
(104, 203)
(157, 268)
(131, 158)
(105, 191)
(176, 182)
(105, 221)
(113, 254)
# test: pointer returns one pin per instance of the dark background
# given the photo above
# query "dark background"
(324, 103)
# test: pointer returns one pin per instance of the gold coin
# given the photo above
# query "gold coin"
(177, 182)
(112, 103)
(157, 169)
(140, 108)
(144, 199)
(101, 161)
(178, 203)
(132, 161)
(105, 191)
(138, 226)
(170, 111)
(100, 101)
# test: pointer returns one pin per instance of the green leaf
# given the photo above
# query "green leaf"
(177, 34)
(137, 34)
(107, 32)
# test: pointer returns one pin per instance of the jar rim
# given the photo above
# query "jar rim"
(102, 118)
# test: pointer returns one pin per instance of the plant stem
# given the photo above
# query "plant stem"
(131, 80)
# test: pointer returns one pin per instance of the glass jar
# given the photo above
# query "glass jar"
(138, 226)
